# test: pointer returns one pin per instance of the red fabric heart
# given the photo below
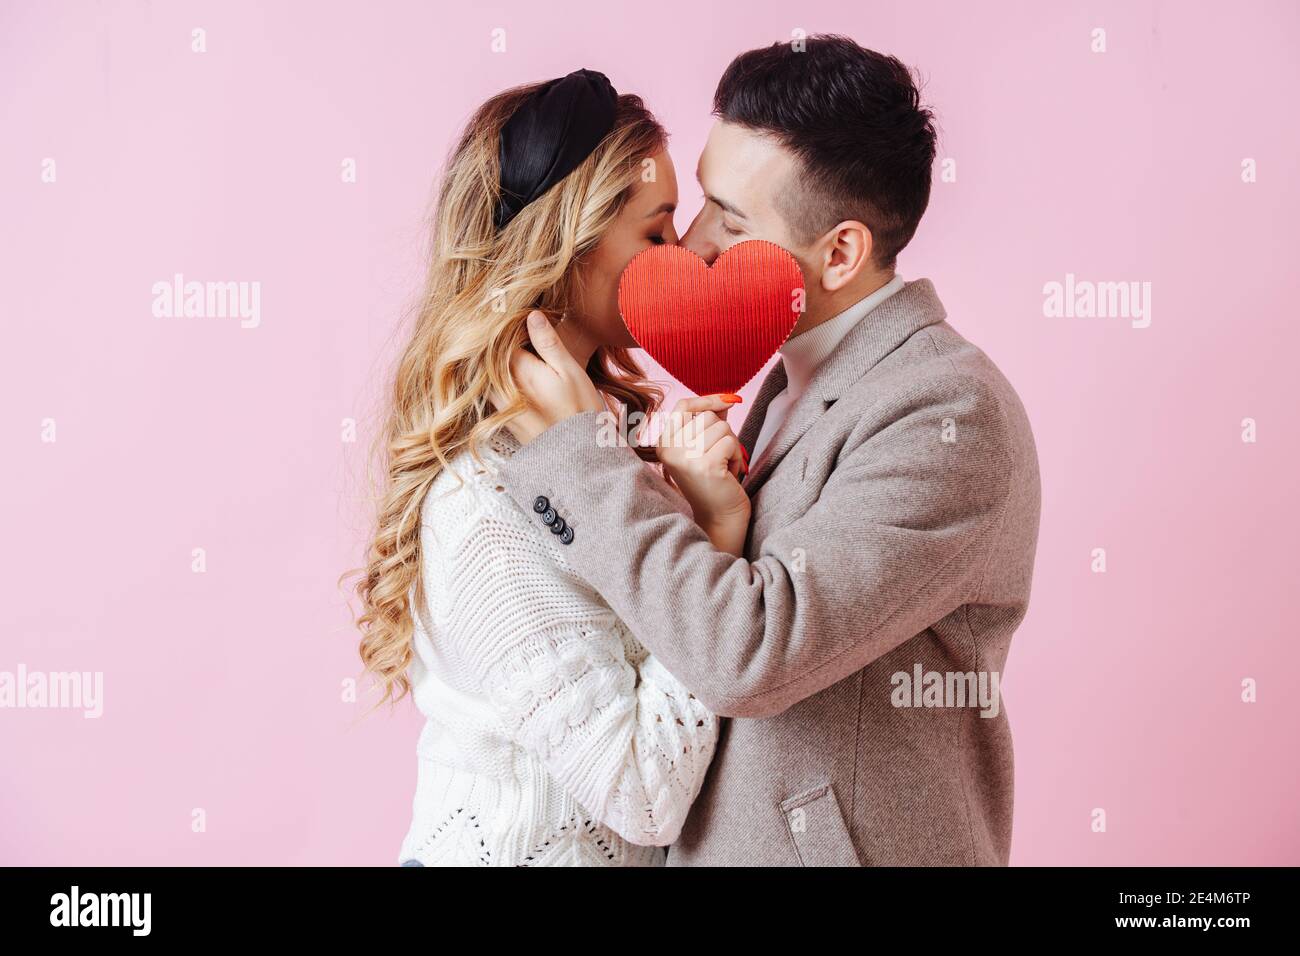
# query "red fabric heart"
(712, 329)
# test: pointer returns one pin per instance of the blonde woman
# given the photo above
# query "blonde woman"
(552, 736)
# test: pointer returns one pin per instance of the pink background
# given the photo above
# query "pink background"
(223, 690)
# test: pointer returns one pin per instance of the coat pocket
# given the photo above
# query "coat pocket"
(817, 828)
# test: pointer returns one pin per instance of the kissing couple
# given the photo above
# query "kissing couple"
(687, 651)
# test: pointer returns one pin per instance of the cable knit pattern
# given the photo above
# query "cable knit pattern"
(552, 736)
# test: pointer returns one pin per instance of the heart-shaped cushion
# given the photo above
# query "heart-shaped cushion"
(712, 329)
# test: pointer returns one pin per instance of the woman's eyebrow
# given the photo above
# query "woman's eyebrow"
(666, 207)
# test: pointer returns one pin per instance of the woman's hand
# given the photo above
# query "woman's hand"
(552, 381)
(705, 460)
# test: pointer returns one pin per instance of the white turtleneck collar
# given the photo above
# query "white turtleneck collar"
(802, 353)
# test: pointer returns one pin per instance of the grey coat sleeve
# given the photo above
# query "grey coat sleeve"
(896, 541)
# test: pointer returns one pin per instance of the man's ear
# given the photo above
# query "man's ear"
(846, 253)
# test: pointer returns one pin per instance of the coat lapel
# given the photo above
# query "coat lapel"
(882, 330)
(809, 407)
(770, 389)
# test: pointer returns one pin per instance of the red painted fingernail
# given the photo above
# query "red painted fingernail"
(730, 398)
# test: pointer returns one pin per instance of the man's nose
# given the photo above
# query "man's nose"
(695, 241)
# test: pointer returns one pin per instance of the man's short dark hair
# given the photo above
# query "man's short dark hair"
(854, 120)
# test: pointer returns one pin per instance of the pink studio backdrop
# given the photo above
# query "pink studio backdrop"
(223, 691)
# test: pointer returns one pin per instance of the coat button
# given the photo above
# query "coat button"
(566, 536)
(549, 515)
(540, 503)
(558, 525)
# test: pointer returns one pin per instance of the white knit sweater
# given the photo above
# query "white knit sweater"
(553, 737)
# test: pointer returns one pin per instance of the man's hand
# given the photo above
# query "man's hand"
(556, 386)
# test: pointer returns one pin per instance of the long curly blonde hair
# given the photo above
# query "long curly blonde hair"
(481, 284)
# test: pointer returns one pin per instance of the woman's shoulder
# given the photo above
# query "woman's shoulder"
(474, 534)
(469, 491)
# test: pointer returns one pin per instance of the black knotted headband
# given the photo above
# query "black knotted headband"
(550, 134)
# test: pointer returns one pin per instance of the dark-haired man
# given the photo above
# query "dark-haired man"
(894, 494)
